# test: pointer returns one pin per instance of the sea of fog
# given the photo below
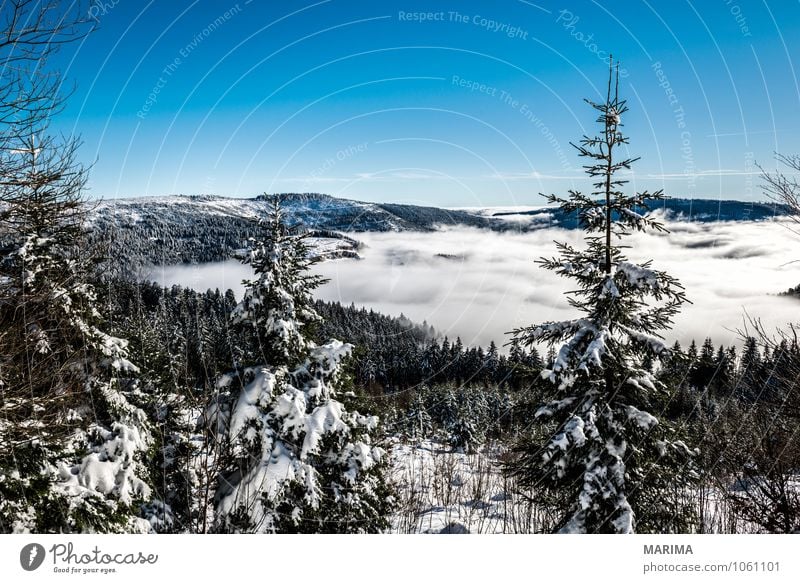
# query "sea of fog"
(479, 284)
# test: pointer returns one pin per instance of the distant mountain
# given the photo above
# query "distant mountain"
(321, 211)
(681, 209)
(199, 229)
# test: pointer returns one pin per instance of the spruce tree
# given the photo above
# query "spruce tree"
(750, 372)
(417, 423)
(607, 462)
(492, 362)
(724, 366)
(704, 369)
(299, 458)
(73, 440)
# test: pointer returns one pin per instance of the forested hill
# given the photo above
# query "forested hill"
(200, 229)
(680, 209)
(316, 211)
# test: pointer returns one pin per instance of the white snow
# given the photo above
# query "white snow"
(440, 490)
(255, 394)
(638, 276)
(109, 468)
(642, 419)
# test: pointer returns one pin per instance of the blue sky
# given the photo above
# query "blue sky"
(441, 103)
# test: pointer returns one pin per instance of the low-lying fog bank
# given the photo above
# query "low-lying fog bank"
(479, 284)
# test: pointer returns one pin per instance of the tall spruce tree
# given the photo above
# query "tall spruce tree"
(300, 459)
(607, 463)
(72, 439)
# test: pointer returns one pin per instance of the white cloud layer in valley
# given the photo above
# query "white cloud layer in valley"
(479, 284)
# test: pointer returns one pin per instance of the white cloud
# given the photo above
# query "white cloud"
(479, 284)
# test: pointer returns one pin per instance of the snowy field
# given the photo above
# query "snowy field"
(444, 492)
(441, 491)
(479, 284)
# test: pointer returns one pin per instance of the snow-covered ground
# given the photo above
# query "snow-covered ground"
(441, 491)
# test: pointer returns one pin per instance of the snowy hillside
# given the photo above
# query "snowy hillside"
(200, 229)
(316, 211)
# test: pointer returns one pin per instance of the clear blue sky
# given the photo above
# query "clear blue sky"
(474, 104)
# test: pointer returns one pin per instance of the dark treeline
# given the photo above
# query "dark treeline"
(392, 354)
(714, 373)
(186, 334)
(396, 354)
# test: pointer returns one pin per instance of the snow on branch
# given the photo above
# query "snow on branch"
(655, 344)
(642, 419)
(638, 276)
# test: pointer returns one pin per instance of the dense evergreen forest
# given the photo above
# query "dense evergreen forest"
(738, 408)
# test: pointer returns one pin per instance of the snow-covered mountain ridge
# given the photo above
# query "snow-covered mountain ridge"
(198, 229)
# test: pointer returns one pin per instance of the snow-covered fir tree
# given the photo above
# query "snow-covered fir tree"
(278, 307)
(603, 458)
(294, 456)
(73, 441)
(460, 419)
(416, 422)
